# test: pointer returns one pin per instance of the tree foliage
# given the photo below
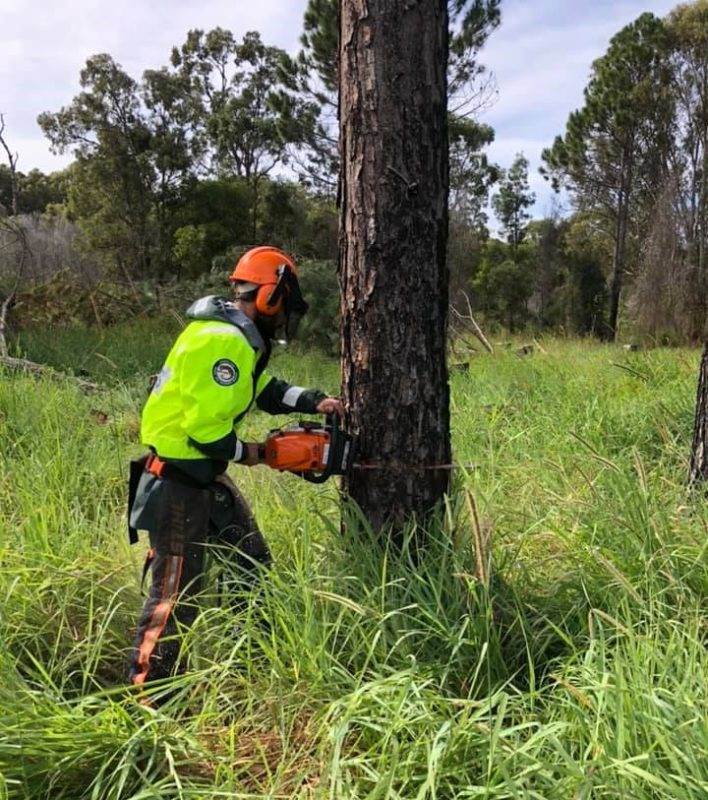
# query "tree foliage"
(688, 157)
(504, 282)
(513, 200)
(471, 24)
(610, 157)
(35, 190)
(154, 156)
(131, 161)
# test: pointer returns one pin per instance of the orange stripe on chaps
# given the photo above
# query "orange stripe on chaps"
(159, 616)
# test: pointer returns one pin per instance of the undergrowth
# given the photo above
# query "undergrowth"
(565, 660)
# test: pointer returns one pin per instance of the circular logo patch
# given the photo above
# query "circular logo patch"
(225, 372)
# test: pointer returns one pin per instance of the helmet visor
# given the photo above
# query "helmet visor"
(294, 305)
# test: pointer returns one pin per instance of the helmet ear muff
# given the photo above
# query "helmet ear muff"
(263, 297)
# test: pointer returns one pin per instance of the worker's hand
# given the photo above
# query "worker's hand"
(253, 454)
(331, 405)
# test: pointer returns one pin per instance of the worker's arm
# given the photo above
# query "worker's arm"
(216, 387)
(275, 396)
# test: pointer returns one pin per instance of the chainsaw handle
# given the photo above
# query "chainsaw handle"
(332, 421)
(312, 478)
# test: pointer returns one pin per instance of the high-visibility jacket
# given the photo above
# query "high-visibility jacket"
(211, 378)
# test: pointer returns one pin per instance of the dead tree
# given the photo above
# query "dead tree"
(12, 237)
(699, 454)
(466, 325)
(12, 163)
(393, 234)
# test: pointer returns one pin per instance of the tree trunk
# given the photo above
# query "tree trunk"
(620, 250)
(255, 187)
(393, 271)
(699, 454)
(702, 321)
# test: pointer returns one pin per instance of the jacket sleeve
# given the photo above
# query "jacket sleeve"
(216, 386)
(275, 396)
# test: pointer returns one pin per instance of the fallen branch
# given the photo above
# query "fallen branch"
(23, 365)
(470, 320)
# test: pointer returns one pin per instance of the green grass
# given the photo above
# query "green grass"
(578, 672)
(115, 354)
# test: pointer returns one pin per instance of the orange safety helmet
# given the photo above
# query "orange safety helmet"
(266, 267)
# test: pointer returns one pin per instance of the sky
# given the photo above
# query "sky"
(540, 58)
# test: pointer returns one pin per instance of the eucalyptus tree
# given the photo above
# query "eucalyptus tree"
(106, 129)
(612, 154)
(246, 106)
(512, 201)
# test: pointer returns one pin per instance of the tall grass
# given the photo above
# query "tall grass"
(573, 666)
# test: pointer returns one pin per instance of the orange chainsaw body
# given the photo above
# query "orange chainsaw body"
(298, 449)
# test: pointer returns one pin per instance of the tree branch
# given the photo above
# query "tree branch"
(12, 161)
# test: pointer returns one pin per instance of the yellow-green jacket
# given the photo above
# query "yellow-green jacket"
(212, 376)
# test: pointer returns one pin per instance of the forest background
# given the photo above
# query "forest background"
(234, 142)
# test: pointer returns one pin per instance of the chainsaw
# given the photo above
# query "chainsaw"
(316, 451)
(311, 450)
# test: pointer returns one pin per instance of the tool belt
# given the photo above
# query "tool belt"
(168, 471)
(163, 470)
(155, 465)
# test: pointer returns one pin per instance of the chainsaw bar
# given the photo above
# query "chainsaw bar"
(317, 452)
(401, 467)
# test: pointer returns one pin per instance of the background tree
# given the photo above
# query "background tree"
(393, 272)
(471, 174)
(169, 169)
(505, 282)
(688, 28)
(471, 22)
(471, 178)
(13, 240)
(214, 215)
(319, 62)
(545, 238)
(113, 189)
(246, 105)
(37, 190)
(512, 201)
(667, 298)
(585, 249)
(11, 169)
(611, 157)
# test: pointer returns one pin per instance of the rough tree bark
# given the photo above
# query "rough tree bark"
(699, 454)
(393, 234)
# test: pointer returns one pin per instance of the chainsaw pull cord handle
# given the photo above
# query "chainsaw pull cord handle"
(331, 421)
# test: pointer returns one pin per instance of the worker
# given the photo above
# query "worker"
(180, 492)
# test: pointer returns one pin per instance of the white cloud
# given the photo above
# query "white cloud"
(45, 44)
(542, 56)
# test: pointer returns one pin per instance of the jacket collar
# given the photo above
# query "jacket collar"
(221, 309)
